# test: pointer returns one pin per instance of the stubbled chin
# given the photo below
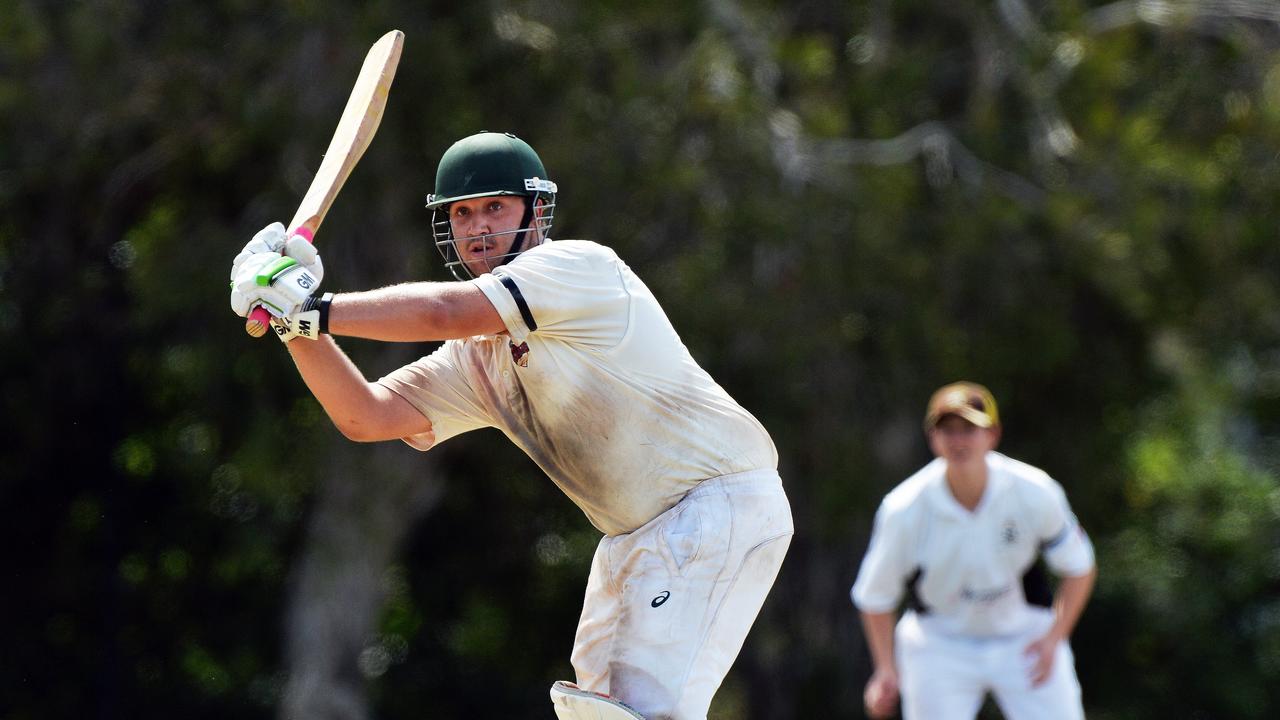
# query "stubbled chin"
(479, 267)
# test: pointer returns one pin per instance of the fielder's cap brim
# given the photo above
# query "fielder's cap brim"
(969, 401)
(976, 417)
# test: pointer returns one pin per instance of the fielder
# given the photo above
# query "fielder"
(559, 345)
(959, 539)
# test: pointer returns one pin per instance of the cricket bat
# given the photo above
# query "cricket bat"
(355, 130)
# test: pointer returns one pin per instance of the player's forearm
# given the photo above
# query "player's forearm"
(335, 381)
(878, 629)
(414, 312)
(1072, 596)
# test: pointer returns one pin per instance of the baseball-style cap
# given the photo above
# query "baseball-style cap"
(971, 401)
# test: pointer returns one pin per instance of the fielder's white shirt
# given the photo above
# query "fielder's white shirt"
(592, 382)
(971, 563)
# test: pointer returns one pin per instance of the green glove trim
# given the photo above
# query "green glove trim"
(270, 272)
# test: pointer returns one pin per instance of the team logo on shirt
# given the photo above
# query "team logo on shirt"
(519, 353)
(1009, 533)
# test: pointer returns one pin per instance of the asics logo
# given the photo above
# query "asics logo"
(657, 602)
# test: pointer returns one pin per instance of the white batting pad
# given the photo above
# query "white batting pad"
(573, 703)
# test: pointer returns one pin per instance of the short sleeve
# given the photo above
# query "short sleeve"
(437, 387)
(1064, 543)
(568, 289)
(885, 566)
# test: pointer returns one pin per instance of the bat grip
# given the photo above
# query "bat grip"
(259, 319)
(257, 322)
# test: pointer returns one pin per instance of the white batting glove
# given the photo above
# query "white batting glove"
(305, 324)
(276, 272)
(269, 239)
(272, 239)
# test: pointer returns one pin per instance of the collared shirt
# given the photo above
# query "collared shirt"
(970, 564)
(592, 382)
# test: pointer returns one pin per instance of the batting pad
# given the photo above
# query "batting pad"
(574, 703)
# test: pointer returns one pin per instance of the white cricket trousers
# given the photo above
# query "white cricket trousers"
(946, 677)
(668, 605)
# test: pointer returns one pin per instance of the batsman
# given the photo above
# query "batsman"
(559, 345)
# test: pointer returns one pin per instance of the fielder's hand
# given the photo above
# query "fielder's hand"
(275, 272)
(880, 698)
(1040, 656)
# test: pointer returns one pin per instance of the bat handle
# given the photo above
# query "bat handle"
(259, 319)
(257, 322)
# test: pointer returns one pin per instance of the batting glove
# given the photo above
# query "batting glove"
(304, 324)
(275, 272)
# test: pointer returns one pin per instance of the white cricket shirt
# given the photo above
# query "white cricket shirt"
(971, 564)
(592, 382)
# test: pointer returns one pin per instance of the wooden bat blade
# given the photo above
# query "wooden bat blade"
(359, 121)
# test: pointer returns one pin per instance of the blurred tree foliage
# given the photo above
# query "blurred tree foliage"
(841, 204)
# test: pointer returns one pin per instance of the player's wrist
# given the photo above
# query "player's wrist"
(319, 303)
(301, 324)
(885, 672)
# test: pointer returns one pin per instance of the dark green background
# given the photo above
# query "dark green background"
(842, 205)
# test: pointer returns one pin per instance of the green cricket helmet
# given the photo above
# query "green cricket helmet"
(483, 165)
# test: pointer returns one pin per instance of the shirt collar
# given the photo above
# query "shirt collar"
(944, 502)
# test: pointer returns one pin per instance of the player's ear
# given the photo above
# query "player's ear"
(995, 435)
(931, 437)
